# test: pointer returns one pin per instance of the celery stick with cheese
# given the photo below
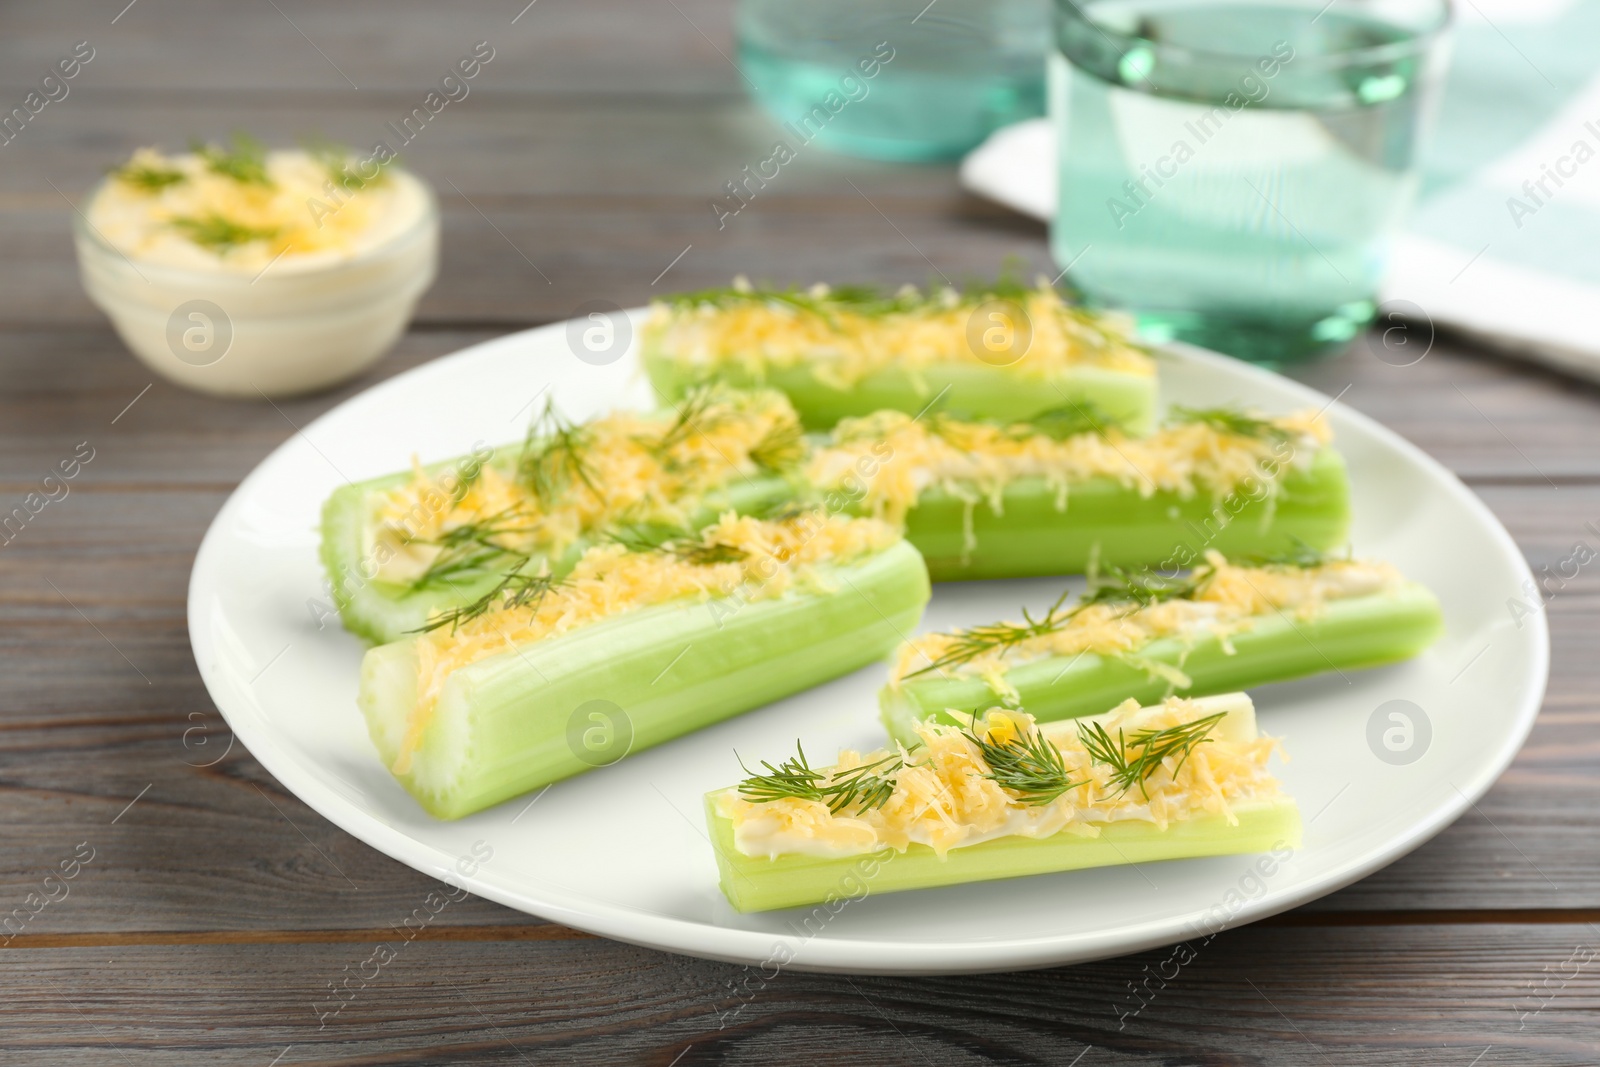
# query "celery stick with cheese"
(548, 676)
(400, 548)
(1005, 500)
(1225, 626)
(1000, 351)
(1000, 797)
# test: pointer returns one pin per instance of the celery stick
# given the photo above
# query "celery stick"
(382, 611)
(762, 883)
(756, 883)
(1029, 535)
(502, 725)
(970, 390)
(1344, 635)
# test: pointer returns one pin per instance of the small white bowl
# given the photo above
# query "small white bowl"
(284, 331)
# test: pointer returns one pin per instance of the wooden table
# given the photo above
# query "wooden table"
(217, 910)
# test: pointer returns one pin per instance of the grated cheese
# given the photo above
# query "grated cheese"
(943, 800)
(898, 457)
(1231, 597)
(842, 344)
(311, 224)
(630, 481)
(776, 556)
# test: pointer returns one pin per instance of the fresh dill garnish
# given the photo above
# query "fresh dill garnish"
(1025, 764)
(647, 536)
(476, 546)
(967, 645)
(514, 590)
(1227, 420)
(781, 447)
(678, 542)
(1134, 759)
(218, 233)
(1071, 419)
(1298, 554)
(1118, 585)
(1108, 585)
(865, 787)
(858, 789)
(706, 553)
(553, 458)
(244, 160)
(701, 409)
(335, 160)
(148, 178)
(782, 511)
(793, 778)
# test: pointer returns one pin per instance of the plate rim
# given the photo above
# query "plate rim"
(818, 954)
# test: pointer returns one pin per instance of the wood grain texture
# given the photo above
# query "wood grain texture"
(1262, 996)
(217, 909)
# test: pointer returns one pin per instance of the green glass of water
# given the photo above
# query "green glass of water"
(1232, 171)
(894, 79)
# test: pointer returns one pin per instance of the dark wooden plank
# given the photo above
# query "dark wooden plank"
(605, 46)
(1430, 996)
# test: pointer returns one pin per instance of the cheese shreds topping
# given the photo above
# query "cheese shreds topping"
(977, 461)
(757, 558)
(1227, 598)
(281, 208)
(944, 799)
(623, 467)
(844, 338)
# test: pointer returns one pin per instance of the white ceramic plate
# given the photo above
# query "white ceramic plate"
(622, 851)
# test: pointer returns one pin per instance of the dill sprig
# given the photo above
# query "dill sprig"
(679, 542)
(647, 536)
(476, 546)
(335, 160)
(148, 178)
(244, 160)
(552, 457)
(967, 645)
(1298, 554)
(1118, 585)
(706, 553)
(781, 447)
(514, 590)
(1134, 759)
(1072, 419)
(793, 778)
(865, 787)
(858, 789)
(218, 233)
(1025, 764)
(701, 409)
(1108, 585)
(1227, 420)
(784, 511)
